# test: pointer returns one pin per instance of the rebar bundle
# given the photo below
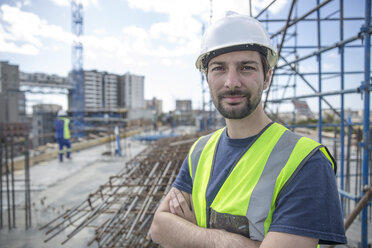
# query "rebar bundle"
(121, 210)
(14, 143)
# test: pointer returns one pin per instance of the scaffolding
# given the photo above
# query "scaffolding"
(324, 54)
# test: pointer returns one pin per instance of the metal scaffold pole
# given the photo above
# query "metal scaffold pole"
(366, 85)
(342, 113)
(203, 119)
(319, 59)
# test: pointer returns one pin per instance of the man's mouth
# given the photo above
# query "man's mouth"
(233, 97)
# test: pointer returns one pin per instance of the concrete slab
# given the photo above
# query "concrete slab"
(57, 187)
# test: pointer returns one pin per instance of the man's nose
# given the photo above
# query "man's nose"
(232, 80)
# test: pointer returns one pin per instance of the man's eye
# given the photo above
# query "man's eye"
(248, 68)
(217, 68)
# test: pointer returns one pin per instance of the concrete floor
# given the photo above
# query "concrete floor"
(59, 186)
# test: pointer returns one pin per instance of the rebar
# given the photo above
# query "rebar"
(121, 210)
(13, 143)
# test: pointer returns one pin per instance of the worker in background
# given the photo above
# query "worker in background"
(253, 183)
(62, 126)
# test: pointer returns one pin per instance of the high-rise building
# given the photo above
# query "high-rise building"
(93, 97)
(110, 91)
(131, 93)
(12, 101)
(100, 90)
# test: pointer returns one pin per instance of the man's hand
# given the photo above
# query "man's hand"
(177, 228)
(179, 206)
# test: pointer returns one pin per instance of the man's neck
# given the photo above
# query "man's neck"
(248, 126)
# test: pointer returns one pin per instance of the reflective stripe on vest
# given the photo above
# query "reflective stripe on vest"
(210, 142)
(274, 159)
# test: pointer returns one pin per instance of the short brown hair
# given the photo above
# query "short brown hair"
(265, 64)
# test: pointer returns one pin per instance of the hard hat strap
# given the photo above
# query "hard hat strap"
(215, 53)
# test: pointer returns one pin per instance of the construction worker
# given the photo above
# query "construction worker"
(253, 183)
(62, 127)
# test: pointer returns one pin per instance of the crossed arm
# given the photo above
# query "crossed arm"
(174, 225)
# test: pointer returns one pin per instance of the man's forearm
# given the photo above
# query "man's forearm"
(170, 230)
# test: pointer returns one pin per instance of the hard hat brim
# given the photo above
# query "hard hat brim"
(203, 60)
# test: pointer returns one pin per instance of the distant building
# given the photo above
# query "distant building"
(155, 104)
(184, 112)
(110, 91)
(43, 80)
(103, 92)
(43, 116)
(100, 91)
(93, 97)
(107, 91)
(12, 101)
(131, 91)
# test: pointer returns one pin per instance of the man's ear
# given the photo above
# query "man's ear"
(268, 78)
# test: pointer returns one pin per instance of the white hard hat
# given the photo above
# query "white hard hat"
(61, 113)
(235, 32)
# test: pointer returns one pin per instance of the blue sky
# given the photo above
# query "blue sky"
(157, 39)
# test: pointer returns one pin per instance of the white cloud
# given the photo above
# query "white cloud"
(11, 47)
(159, 41)
(90, 2)
(274, 9)
(22, 3)
(100, 31)
(68, 2)
(105, 44)
(180, 34)
(166, 43)
(22, 32)
(186, 27)
(27, 3)
(61, 2)
(201, 9)
(174, 8)
(170, 62)
(136, 32)
(20, 26)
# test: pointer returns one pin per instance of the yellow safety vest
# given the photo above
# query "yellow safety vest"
(257, 178)
(66, 128)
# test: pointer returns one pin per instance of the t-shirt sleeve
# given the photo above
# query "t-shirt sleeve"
(183, 180)
(310, 204)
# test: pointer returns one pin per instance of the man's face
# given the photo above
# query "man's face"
(236, 83)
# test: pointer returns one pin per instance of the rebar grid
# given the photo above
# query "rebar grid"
(121, 210)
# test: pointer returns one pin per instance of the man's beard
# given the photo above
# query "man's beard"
(247, 107)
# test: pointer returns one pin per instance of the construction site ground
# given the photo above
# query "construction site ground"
(57, 186)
